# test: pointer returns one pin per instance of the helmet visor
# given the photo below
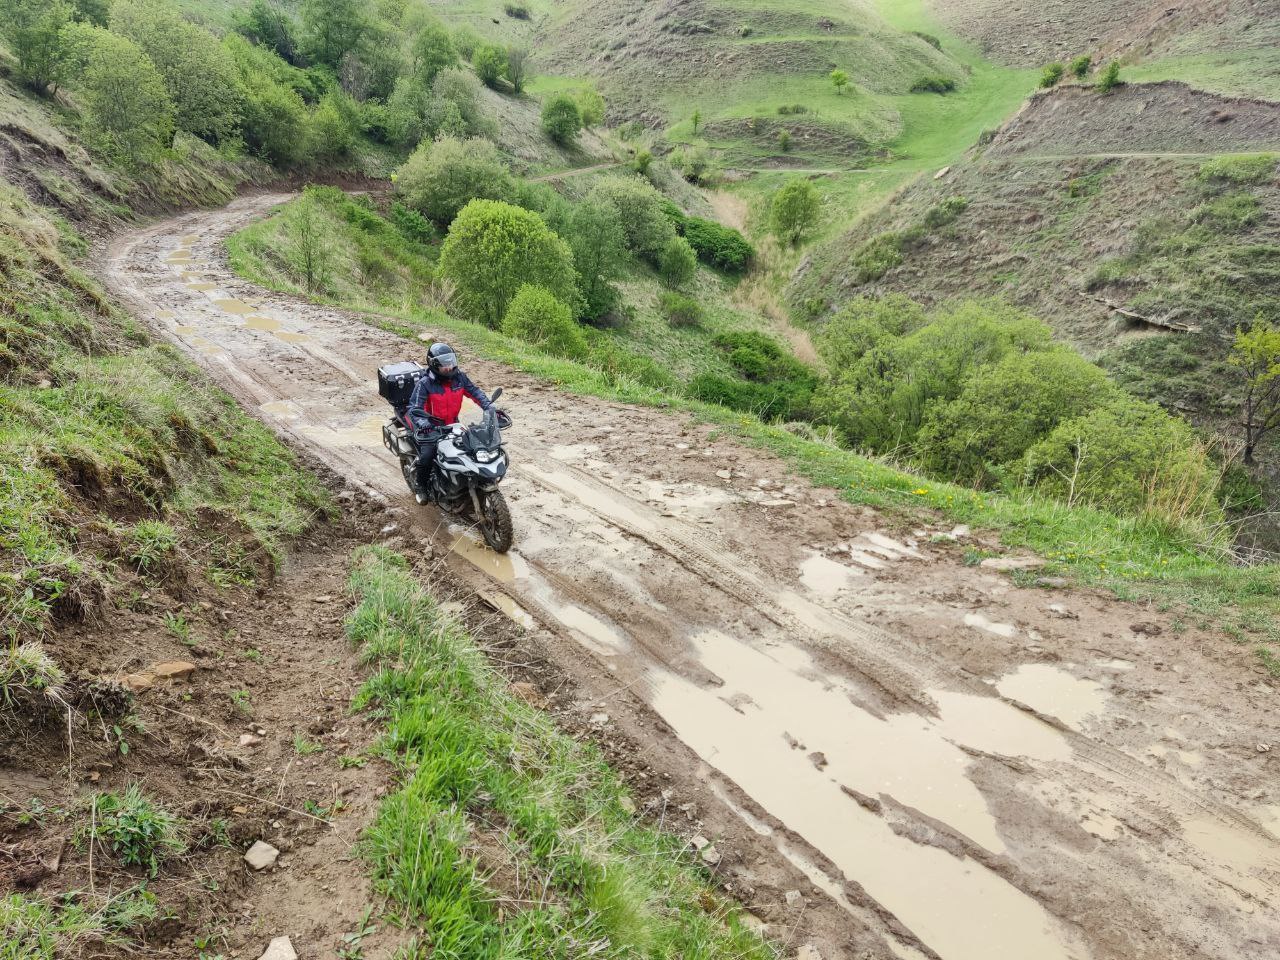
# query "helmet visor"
(446, 364)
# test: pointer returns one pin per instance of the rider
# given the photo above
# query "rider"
(434, 406)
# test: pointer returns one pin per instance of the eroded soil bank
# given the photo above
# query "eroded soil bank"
(941, 762)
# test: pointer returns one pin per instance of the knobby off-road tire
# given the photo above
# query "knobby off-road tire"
(495, 521)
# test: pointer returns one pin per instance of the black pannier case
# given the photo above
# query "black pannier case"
(396, 382)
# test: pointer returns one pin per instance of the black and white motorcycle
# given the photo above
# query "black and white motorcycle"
(470, 460)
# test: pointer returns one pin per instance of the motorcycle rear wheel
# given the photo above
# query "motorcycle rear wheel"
(495, 521)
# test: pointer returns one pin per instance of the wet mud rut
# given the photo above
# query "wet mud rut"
(965, 769)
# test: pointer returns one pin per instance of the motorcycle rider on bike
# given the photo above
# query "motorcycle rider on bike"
(434, 406)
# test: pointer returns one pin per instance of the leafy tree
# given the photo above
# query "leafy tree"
(864, 324)
(268, 25)
(125, 108)
(466, 41)
(1257, 355)
(461, 88)
(641, 162)
(95, 12)
(331, 28)
(34, 31)
(794, 210)
(1079, 67)
(641, 211)
(1110, 78)
(784, 140)
(432, 50)
(599, 252)
(560, 119)
(1051, 74)
(309, 250)
(1007, 407)
(697, 119)
(839, 80)
(332, 128)
(518, 67)
(200, 77)
(490, 62)
(493, 249)
(678, 263)
(537, 317)
(440, 178)
(590, 107)
(1130, 457)
(694, 163)
(274, 120)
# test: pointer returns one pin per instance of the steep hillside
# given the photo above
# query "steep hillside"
(1229, 46)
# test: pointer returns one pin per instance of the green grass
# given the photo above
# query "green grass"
(138, 831)
(27, 674)
(476, 762)
(38, 928)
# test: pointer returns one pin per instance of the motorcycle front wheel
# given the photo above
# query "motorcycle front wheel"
(495, 521)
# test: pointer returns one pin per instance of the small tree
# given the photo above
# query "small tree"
(442, 177)
(561, 120)
(839, 80)
(641, 163)
(1257, 355)
(331, 28)
(1110, 78)
(432, 50)
(590, 106)
(1080, 66)
(490, 62)
(537, 317)
(784, 141)
(308, 249)
(493, 249)
(34, 31)
(697, 119)
(518, 67)
(678, 263)
(599, 251)
(1051, 74)
(794, 210)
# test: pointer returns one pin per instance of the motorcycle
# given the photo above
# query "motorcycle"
(470, 460)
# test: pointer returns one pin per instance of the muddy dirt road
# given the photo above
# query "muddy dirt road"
(964, 769)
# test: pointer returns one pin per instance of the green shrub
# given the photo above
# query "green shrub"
(722, 247)
(519, 11)
(793, 210)
(431, 51)
(1110, 78)
(150, 544)
(490, 63)
(493, 249)
(1079, 67)
(1129, 457)
(933, 84)
(561, 120)
(274, 122)
(591, 106)
(877, 256)
(680, 310)
(863, 324)
(331, 131)
(928, 38)
(945, 212)
(441, 177)
(788, 109)
(619, 363)
(139, 832)
(677, 263)
(784, 140)
(536, 316)
(29, 674)
(1006, 407)
(1241, 170)
(466, 41)
(1052, 73)
(641, 211)
(412, 225)
(599, 248)
(34, 30)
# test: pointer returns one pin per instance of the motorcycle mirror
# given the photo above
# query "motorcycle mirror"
(496, 394)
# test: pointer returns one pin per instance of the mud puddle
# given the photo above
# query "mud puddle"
(1054, 692)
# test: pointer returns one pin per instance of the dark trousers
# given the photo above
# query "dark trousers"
(428, 441)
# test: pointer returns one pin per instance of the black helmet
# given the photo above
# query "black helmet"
(442, 361)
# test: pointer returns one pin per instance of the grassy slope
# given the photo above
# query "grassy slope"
(1090, 546)
(508, 788)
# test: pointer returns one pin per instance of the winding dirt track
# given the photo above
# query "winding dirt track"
(965, 769)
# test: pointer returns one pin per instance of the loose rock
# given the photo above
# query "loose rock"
(281, 948)
(260, 856)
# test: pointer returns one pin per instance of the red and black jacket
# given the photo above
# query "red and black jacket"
(433, 397)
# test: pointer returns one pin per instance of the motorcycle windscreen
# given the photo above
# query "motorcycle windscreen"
(484, 435)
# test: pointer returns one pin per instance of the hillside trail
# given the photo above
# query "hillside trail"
(941, 763)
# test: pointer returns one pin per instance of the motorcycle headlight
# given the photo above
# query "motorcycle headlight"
(485, 456)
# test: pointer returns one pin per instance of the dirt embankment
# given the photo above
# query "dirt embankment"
(938, 762)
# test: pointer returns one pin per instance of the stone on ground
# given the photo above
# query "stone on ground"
(281, 948)
(261, 855)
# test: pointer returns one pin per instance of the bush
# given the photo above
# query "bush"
(618, 363)
(945, 212)
(641, 212)
(138, 831)
(694, 163)
(561, 120)
(1110, 78)
(412, 225)
(518, 67)
(784, 140)
(466, 41)
(599, 251)
(1005, 408)
(590, 106)
(1052, 73)
(933, 84)
(536, 316)
(788, 109)
(493, 249)
(490, 62)
(928, 38)
(332, 128)
(440, 178)
(716, 244)
(1130, 457)
(793, 210)
(877, 256)
(1079, 67)
(677, 262)
(431, 51)
(517, 10)
(863, 324)
(680, 311)
(460, 87)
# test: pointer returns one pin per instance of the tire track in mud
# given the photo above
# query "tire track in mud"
(734, 661)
